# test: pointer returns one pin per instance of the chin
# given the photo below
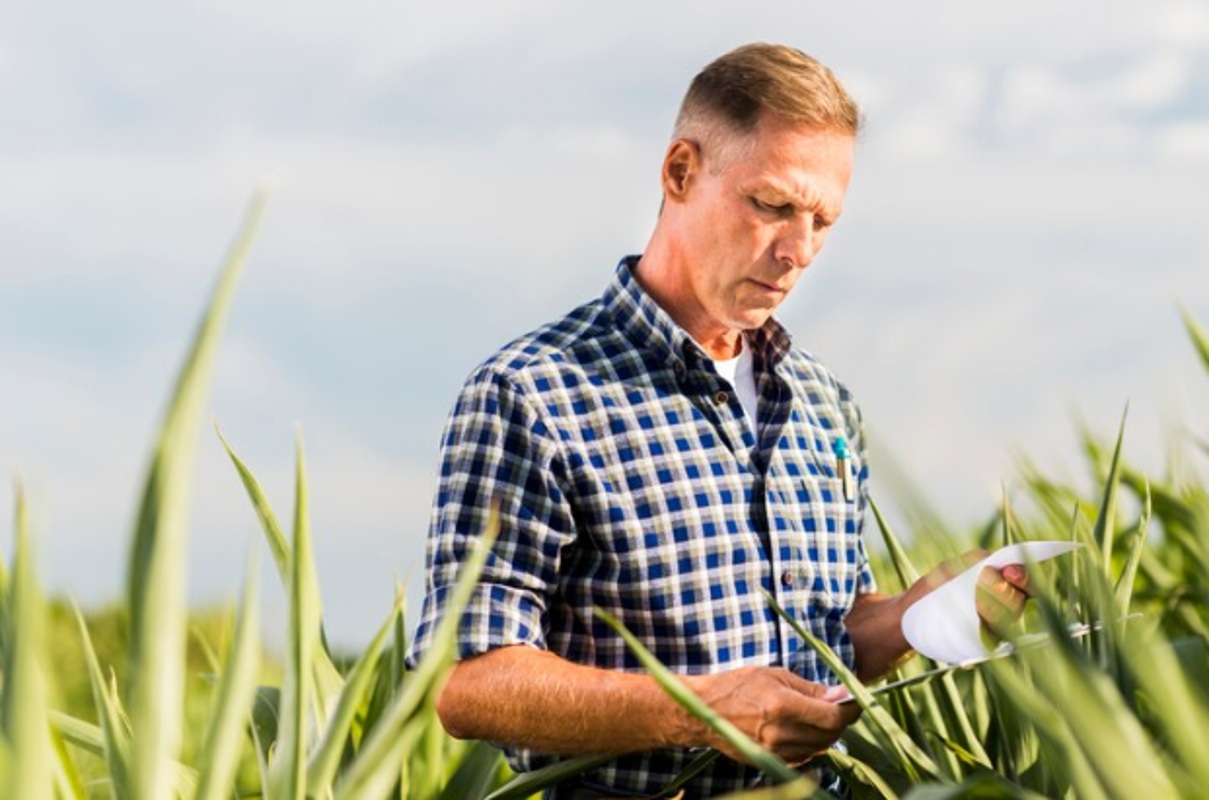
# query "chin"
(750, 322)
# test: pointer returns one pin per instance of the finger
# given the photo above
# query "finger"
(836, 694)
(805, 687)
(797, 729)
(1017, 575)
(851, 713)
(999, 603)
(952, 567)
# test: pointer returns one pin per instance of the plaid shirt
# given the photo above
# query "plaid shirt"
(627, 479)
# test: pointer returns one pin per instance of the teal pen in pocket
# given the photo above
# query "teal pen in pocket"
(844, 467)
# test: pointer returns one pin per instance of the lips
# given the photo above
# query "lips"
(770, 287)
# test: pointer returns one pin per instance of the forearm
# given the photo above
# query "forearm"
(875, 621)
(875, 627)
(534, 699)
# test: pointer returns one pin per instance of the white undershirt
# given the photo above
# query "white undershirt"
(740, 372)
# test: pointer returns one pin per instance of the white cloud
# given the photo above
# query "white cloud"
(1071, 115)
(935, 116)
(1183, 24)
(1155, 79)
(1184, 142)
(1008, 240)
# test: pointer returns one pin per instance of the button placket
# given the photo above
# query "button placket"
(791, 583)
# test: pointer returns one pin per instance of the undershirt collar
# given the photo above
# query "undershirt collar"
(740, 373)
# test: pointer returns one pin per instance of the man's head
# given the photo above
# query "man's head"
(733, 93)
(753, 180)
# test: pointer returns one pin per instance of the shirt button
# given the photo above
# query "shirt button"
(787, 579)
(721, 398)
(678, 368)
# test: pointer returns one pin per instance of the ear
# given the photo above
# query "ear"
(680, 167)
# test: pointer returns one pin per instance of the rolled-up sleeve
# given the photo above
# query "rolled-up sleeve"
(498, 457)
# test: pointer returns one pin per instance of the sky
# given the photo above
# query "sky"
(1024, 222)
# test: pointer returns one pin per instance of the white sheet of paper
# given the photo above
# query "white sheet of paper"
(944, 625)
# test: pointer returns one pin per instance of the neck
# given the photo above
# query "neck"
(722, 347)
(662, 274)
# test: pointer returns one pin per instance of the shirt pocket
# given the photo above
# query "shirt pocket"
(831, 524)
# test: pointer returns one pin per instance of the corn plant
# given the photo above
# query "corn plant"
(1122, 711)
(365, 732)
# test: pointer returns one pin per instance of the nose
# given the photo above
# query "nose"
(796, 247)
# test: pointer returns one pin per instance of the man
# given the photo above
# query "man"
(665, 454)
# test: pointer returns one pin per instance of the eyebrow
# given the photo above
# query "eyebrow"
(809, 199)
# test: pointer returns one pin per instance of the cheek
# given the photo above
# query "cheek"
(752, 235)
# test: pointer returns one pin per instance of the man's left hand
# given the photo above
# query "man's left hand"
(1001, 596)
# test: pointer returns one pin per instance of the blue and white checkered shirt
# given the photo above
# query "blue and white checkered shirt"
(627, 479)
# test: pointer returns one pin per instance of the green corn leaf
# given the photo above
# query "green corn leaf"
(236, 690)
(327, 680)
(113, 727)
(379, 762)
(931, 716)
(78, 733)
(1099, 720)
(957, 711)
(856, 772)
(1200, 339)
(155, 595)
(527, 784)
(388, 681)
(266, 716)
(90, 739)
(67, 781)
(475, 775)
(26, 730)
(801, 788)
(695, 767)
(1047, 720)
(5, 588)
(978, 787)
(1007, 519)
(902, 709)
(288, 774)
(915, 762)
(273, 534)
(1106, 521)
(214, 664)
(325, 758)
(1129, 573)
(907, 573)
(964, 755)
(1180, 710)
(1170, 506)
(767, 762)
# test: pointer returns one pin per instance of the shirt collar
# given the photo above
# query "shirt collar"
(648, 326)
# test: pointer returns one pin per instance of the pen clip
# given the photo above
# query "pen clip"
(843, 459)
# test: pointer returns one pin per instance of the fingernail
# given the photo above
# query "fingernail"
(835, 694)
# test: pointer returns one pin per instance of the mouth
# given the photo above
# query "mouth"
(770, 287)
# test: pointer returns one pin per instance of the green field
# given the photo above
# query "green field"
(149, 700)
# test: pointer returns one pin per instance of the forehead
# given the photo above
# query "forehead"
(785, 157)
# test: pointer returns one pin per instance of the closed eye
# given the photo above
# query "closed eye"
(787, 210)
(779, 209)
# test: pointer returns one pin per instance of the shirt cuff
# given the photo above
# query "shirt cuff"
(496, 616)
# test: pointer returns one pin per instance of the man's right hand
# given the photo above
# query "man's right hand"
(532, 698)
(792, 717)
